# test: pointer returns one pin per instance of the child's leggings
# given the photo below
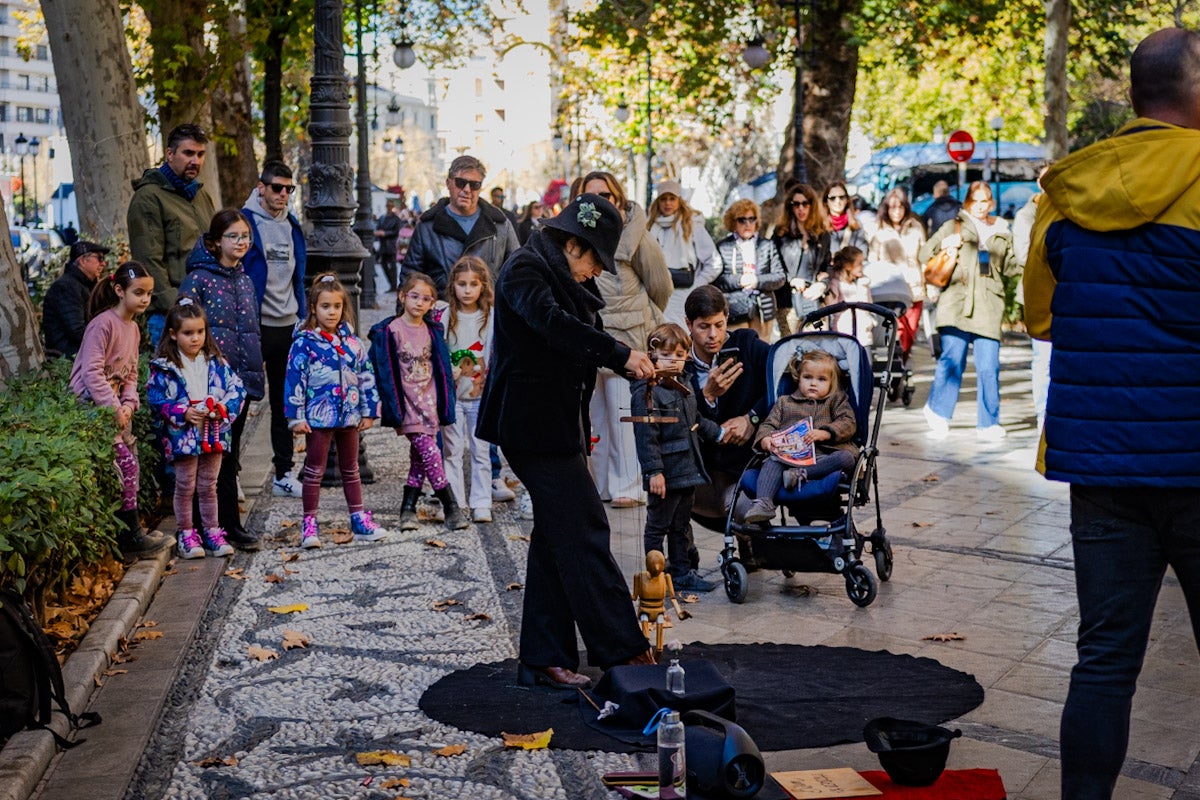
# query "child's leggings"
(770, 477)
(126, 463)
(314, 467)
(425, 461)
(197, 474)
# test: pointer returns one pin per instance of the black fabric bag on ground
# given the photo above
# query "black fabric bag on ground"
(30, 677)
(641, 691)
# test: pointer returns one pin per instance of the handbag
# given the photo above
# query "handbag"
(682, 278)
(939, 269)
(765, 306)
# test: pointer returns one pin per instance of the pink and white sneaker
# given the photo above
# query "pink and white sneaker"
(214, 542)
(187, 544)
(310, 533)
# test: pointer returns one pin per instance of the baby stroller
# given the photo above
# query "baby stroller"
(821, 535)
(889, 364)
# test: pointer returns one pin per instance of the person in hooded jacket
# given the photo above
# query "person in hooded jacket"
(546, 347)
(217, 281)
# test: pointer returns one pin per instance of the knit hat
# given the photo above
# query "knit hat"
(669, 187)
(594, 220)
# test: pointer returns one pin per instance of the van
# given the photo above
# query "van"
(918, 166)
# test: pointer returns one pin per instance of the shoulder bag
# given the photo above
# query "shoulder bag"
(939, 269)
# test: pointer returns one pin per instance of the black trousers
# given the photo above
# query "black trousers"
(387, 260)
(276, 343)
(670, 518)
(227, 503)
(572, 578)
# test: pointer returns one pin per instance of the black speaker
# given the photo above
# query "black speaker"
(722, 759)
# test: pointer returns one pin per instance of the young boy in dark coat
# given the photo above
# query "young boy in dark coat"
(669, 454)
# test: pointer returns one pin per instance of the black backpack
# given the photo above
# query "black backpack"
(30, 676)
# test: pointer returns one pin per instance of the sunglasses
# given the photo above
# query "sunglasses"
(463, 183)
(746, 220)
(281, 188)
(829, 198)
(800, 204)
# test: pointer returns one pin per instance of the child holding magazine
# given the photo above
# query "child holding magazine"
(819, 399)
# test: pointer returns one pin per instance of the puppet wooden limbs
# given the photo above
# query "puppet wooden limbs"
(666, 376)
(651, 589)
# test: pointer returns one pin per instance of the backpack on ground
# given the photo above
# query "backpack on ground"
(30, 677)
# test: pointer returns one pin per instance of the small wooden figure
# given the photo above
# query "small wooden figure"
(651, 589)
(668, 376)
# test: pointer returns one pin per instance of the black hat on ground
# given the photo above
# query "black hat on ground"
(594, 220)
(82, 248)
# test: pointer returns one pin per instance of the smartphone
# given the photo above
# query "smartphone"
(985, 263)
(728, 354)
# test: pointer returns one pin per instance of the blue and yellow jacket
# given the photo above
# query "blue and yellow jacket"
(1113, 280)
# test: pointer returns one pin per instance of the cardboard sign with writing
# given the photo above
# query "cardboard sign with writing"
(813, 784)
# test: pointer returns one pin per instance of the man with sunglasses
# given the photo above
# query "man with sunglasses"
(458, 225)
(64, 311)
(275, 263)
(168, 213)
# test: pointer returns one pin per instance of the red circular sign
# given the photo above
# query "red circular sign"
(960, 146)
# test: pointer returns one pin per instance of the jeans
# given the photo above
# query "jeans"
(1123, 541)
(947, 380)
(1040, 373)
(459, 448)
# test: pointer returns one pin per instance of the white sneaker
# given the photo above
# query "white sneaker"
(525, 506)
(287, 486)
(992, 433)
(241, 493)
(500, 491)
(939, 426)
(481, 514)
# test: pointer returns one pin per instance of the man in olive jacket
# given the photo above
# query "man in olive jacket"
(168, 213)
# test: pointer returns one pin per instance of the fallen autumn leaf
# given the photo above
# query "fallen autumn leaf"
(529, 741)
(294, 608)
(261, 653)
(388, 758)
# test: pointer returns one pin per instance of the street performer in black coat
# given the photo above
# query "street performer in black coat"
(547, 345)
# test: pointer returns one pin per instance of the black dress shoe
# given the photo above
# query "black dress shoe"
(555, 677)
(243, 539)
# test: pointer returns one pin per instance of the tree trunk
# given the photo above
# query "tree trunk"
(182, 68)
(273, 95)
(20, 345)
(100, 109)
(233, 126)
(1058, 26)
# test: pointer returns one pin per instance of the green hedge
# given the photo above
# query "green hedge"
(59, 487)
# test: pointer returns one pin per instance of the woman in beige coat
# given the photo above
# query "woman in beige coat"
(634, 300)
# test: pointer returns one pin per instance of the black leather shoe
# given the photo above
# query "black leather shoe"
(554, 677)
(243, 539)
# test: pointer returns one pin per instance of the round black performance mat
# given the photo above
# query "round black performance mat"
(788, 696)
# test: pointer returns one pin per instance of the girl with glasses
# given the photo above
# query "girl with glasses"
(751, 270)
(802, 236)
(217, 281)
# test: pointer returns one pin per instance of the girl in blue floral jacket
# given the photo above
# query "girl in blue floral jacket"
(330, 396)
(198, 395)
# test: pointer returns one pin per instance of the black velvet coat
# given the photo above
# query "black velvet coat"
(547, 344)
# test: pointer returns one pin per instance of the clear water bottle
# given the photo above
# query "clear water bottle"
(672, 762)
(675, 677)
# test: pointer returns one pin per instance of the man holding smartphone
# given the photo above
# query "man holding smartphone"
(728, 373)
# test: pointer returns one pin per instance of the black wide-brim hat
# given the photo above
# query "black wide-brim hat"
(594, 220)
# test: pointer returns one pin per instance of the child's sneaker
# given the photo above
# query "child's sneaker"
(364, 528)
(187, 544)
(481, 514)
(760, 511)
(310, 534)
(214, 542)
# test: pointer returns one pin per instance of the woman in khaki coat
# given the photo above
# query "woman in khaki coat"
(634, 301)
(970, 311)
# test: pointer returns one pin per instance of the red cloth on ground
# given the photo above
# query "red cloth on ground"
(954, 784)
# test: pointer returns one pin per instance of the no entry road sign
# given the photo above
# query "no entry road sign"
(960, 146)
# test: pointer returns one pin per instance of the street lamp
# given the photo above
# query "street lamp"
(557, 144)
(21, 145)
(755, 54)
(996, 123)
(404, 56)
(34, 147)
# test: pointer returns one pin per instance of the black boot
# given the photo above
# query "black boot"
(134, 541)
(455, 519)
(408, 509)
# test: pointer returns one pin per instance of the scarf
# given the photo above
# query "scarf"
(679, 254)
(839, 221)
(185, 188)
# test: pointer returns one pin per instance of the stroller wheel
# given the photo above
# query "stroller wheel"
(907, 396)
(860, 585)
(737, 582)
(883, 558)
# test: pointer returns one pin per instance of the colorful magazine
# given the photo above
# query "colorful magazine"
(788, 445)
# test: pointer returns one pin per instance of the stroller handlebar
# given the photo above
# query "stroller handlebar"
(888, 315)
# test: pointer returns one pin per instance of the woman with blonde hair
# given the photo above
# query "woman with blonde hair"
(802, 236)
(686, 245)
(634, 300)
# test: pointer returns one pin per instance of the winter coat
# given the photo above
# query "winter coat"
(227, 294)
(547, 343)
(972, 302)
(438, 242)
(747, 395)
(391, 391)
(64, 311)
(693, 260)
(801, 266)
(769, 269)
(671, 449)
(1116, 248)
(255, 261)
(635, 297)
(329, 384)
(832, 413)
(167, 394)
(163, 227)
